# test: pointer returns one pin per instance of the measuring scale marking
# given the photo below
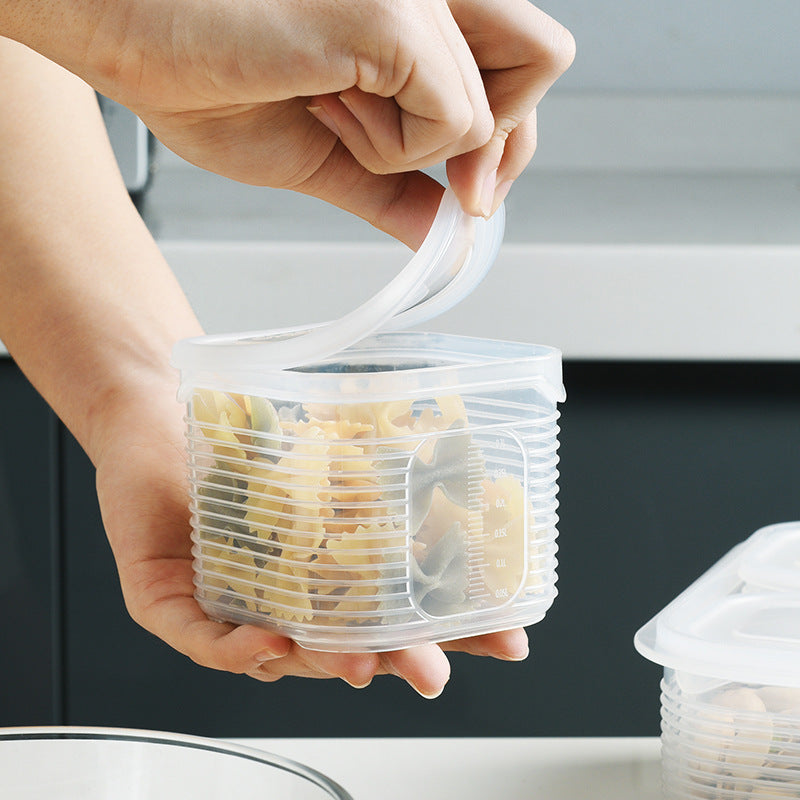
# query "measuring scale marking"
(478, 563)
(476, 557)
(493, 579)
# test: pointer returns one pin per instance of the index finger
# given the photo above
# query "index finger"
(521, 52)
(424, 667)
(510, 645)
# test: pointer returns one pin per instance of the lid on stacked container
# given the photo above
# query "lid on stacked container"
(740, 621)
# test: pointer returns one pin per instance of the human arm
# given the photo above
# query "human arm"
(406, 84)
(90, 311)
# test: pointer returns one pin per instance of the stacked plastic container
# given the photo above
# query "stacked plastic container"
(358, 487)
(730, 647)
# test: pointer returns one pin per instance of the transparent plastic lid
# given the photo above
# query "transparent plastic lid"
(740, 621)
(452, 260)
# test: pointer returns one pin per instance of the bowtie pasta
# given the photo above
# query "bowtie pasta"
(303, 510)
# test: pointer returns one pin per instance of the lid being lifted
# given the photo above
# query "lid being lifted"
(740, 621)
(452, 260)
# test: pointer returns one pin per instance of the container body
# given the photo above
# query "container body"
(727, 739)
(403, 492)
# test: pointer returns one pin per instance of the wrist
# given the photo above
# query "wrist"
(136, 406)
(103, 364)
(129, 397)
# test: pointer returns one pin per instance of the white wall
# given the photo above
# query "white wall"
(705, 45)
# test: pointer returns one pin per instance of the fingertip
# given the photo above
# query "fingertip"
(273, 650)
(510, 645)
(431, 693)
(425, 668)
(500, 194)
(356, 669)
(358, 684)
(246, 646)
(360, 670)
(516, 647)
(473, 178)
(482, 178)
(484, 200)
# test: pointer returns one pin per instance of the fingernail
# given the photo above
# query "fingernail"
(501, 191)
(267, 655)
(346, 102)
(428, 695)
(516, 655)
(357, 685)
(322, 115)
(487, 194)
(392, 670)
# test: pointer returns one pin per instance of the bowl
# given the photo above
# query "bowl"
(730, 697)
(71, 763)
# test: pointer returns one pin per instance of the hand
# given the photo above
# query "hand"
(90, 311)
(343, 101)
(143, 497)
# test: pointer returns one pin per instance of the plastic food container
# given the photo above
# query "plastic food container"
(730, 647)
(357, 487)
(101, 763)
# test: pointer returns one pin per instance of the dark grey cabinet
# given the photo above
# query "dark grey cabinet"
(663, 468)
(30, 631)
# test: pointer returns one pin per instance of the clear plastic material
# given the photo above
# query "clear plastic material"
(455, 256)
(730, 647)
(740, 621)
(68, 763)
(404, 494)
(395, 489)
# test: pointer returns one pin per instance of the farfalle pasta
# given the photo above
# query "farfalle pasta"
(353, 514)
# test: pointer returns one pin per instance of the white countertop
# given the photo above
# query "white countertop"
(601, 301)
(482, 768)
